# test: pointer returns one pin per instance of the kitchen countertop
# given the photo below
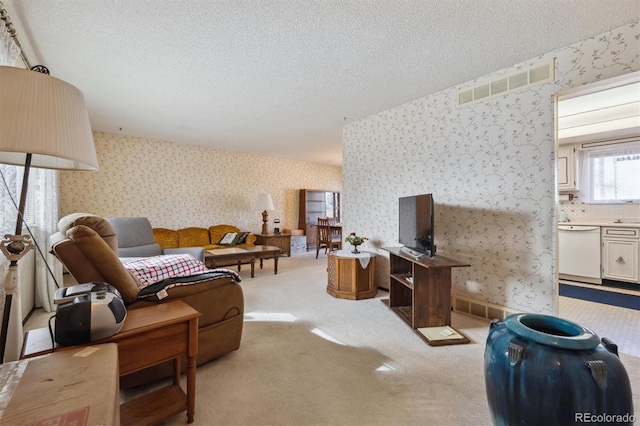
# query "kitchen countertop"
(603, 221)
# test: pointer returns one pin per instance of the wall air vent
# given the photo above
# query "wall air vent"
(522, 79)
(480, 309)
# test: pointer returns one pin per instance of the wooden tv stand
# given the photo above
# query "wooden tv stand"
(420, 294)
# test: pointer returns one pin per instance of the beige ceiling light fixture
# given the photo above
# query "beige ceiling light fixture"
(44, 123)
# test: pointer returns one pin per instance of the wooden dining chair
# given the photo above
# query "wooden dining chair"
(336, 229)
(324, 237)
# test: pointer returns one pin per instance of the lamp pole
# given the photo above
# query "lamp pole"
(265, 219)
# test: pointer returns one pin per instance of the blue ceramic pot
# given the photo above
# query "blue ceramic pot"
(545, 370)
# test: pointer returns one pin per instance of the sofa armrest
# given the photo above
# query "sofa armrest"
(197, 252)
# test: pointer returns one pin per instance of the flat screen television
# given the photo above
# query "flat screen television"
(416, 214)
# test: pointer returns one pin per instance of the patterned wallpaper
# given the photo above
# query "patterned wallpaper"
(490, 167)
(177, 185)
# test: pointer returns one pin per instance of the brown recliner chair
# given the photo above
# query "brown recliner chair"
(87, 245)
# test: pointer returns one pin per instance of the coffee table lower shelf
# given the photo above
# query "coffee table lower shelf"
(405, 313)
(154, 407)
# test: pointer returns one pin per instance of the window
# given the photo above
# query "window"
(41, 202)
(333, 205)
(612, 174)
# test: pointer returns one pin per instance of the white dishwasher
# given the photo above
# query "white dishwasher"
(579, 257)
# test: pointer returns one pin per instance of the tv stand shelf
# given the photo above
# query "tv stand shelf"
(403, 279)
(425, 303)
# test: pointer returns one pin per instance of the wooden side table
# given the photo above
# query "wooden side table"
(149, 336)
(347, 278)
(283, 241)
(77, 387)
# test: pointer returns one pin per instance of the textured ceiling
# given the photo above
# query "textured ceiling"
(278, 77)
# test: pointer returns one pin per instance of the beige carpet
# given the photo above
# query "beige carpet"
(307, 358)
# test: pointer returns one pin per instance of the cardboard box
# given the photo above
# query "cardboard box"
(71, 387)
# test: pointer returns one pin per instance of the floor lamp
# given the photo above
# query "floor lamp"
(43, 123)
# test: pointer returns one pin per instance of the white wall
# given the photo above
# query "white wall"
(491, 168)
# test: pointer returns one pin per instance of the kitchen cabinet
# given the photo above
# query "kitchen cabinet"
(620, 255)
(567, 168)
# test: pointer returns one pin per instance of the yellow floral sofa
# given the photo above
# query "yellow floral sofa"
(207, 238)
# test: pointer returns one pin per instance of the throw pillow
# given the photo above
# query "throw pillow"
(242, 237)
(229, 239)
(151, 270)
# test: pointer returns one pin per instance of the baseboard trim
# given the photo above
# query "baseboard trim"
(24, 321)
(579, 279)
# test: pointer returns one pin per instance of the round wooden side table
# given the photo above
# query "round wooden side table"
(351, 276)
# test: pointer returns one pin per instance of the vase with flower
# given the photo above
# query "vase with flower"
(355, 241)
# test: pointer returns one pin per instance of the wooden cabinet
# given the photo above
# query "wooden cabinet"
(347, 278)
(282, 241)
(311, 231)
(567, 168)
(420, 291)
(314, 204)
(620, 254)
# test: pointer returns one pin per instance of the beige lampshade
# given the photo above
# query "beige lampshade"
(46, 117)
(264, 202)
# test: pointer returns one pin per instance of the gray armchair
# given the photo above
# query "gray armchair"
(135, 239)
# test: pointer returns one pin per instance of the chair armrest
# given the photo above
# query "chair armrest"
(197, 252)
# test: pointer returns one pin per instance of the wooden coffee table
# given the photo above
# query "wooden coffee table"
(249, 254)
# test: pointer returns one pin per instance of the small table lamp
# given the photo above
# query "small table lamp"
(43, 123)
(265, 203)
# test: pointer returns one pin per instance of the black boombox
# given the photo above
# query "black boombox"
(87, 312)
